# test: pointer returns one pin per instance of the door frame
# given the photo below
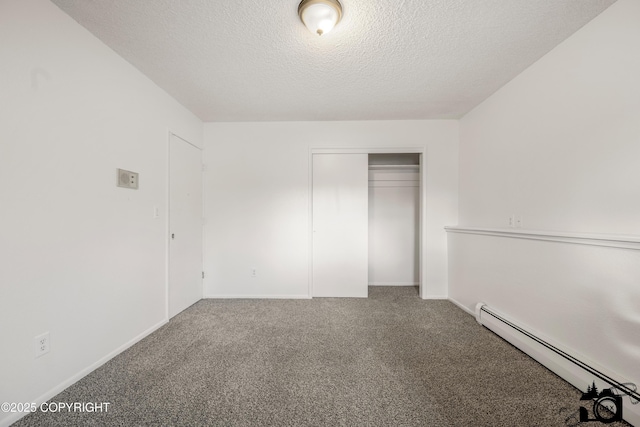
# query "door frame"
(423, 204)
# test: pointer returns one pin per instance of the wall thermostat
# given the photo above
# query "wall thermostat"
(127, 179)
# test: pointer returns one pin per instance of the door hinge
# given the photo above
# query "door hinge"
(203, 274)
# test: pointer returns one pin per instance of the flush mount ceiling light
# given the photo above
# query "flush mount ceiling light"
(320, 16)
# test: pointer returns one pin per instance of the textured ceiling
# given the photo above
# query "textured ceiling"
(249, 60)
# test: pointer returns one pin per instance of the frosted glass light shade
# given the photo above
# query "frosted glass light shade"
(320, 16)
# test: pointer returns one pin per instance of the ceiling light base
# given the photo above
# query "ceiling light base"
(320, 16)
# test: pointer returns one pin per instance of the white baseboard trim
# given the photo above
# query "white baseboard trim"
(463, 307)
(257, 297)
(12, 418)
(436, 297)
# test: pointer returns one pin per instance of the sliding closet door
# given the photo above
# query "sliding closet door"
(340, 225)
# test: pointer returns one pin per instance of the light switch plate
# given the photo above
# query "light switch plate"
(127, 179)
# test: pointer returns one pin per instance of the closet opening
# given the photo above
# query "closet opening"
(367, 209)
(394, 219)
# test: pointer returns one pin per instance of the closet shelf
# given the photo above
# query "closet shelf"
(382, 167)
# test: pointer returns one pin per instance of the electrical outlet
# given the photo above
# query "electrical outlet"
(519, 221)
(41, 344)
(512, 221)
(254, 273)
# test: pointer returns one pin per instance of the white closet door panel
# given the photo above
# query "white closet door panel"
(340, 225)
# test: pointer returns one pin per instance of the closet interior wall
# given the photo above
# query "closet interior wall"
(394, 219)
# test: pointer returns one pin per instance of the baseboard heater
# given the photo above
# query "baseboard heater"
(577, 371)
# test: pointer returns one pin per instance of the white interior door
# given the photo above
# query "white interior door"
(340, 225)
(185, 225)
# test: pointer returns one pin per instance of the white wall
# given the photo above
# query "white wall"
(394, 226)
(559, 145)
(79, 257)
(257, 199)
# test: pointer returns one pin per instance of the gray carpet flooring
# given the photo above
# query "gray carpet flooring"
(389, 360)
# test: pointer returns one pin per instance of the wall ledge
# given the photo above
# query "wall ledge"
(589, 239)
